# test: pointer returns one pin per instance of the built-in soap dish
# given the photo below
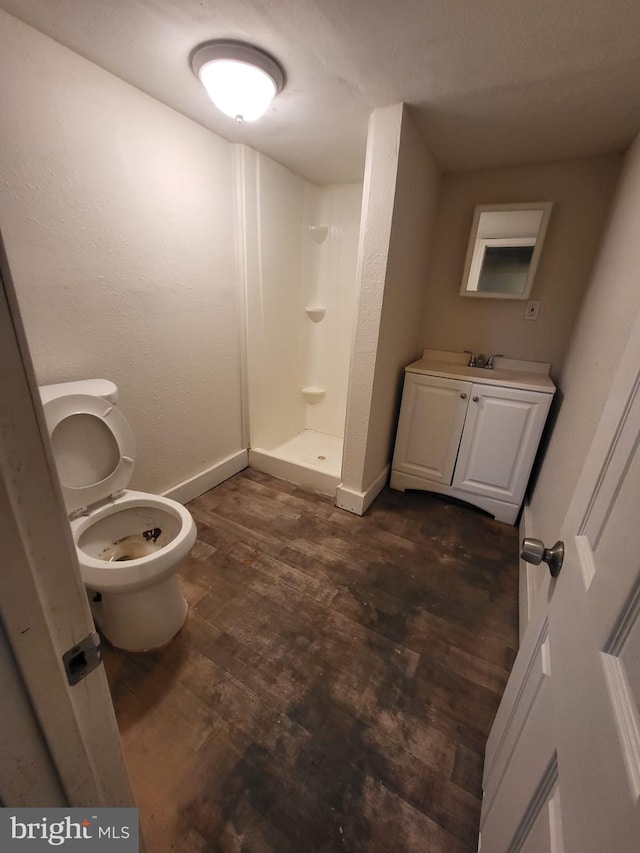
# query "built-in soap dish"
(315, 312)
(318, 232)
(312, 394)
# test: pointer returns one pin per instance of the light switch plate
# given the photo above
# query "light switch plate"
(531, 312)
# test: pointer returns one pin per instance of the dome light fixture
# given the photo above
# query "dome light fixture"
(240, 79)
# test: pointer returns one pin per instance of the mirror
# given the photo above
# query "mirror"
(504, 248)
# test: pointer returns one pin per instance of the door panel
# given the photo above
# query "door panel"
(501, 434)
(624, 705)
(545, 835)
(431, 420)
(515, 804)
(43, 603)
(594, 723)
(592, 615)
(529, 819)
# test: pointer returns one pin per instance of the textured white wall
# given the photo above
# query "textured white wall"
(329, 279)
(399, 201)
(607, 315)
(581, 192)
(381, 167)
(411, 239)
(117, 215)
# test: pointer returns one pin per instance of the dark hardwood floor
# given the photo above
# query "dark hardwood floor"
(336, 679)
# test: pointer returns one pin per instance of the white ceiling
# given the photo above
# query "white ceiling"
(490, 82)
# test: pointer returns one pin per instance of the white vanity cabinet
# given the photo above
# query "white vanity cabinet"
(431, 420)
(471, 433)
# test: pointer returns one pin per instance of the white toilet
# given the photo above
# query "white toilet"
(129, 544)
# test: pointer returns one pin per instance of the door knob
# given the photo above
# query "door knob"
(533, 551)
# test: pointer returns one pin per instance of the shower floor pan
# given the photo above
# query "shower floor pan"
(309, 458)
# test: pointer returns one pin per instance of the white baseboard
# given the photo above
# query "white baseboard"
(359, 502)
(527, 579)
(201, 483)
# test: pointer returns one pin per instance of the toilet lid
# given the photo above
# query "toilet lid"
(93, 447)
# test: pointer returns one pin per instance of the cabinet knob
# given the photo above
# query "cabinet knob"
(463, 396)
(475, 399)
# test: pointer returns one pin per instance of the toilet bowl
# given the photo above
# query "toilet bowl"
(129, 544)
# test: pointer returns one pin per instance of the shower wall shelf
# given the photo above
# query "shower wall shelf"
(315, 312)
(318, 232)
(312, 394)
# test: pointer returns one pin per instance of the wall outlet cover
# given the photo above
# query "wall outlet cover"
(531, 311)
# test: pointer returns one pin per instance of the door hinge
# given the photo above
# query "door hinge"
(82, 659)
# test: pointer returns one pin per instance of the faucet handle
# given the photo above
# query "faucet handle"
(472, 358)
(489, 364)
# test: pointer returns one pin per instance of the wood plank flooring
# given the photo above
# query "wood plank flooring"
(336, 679)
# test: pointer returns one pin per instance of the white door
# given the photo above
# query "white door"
(499, 442)
(430, 425)
(562, 767)
(44, 609)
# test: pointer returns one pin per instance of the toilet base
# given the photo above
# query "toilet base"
(143, 620)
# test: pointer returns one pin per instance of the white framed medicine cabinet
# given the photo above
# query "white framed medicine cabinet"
(504, 250)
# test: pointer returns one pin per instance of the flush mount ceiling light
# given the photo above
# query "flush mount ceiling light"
(240, 79)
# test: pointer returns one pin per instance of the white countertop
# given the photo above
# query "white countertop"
(523, 376)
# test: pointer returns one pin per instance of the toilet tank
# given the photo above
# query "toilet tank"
(94, 387)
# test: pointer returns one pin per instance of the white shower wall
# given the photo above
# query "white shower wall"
(272, 202)
(286, 271)
(329, 281)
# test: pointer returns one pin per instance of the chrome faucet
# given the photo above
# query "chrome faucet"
(482, 360)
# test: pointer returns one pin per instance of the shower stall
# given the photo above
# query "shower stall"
(299, 254)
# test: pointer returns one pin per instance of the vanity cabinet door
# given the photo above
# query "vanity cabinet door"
(431, 420)
(499, 443)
